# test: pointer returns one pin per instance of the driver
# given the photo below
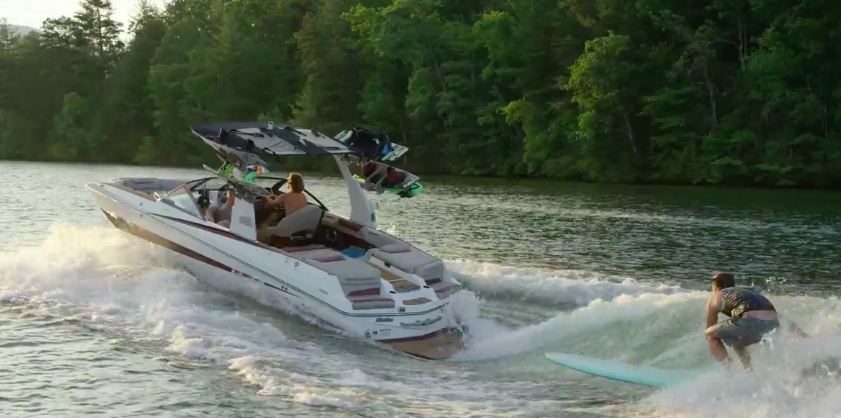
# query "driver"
(294, 199)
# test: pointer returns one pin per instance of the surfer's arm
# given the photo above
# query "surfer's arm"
(717, 348)
(712, 310)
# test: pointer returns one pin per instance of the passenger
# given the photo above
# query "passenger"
(294, 199)
(221, 213)
(204, 204)
(751, 314)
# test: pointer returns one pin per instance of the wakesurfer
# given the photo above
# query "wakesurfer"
(751, 316)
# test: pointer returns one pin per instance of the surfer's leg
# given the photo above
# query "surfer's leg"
(718, 350)
(741, 333)
(742, 352)
(715, 337)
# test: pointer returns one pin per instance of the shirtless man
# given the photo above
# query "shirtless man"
(294, 199)
(751, 314)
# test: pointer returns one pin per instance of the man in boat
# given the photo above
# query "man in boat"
(221, 213)
(204, 204)
(752, 316)
(294, 199)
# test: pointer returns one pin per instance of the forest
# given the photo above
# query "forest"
(714, 92)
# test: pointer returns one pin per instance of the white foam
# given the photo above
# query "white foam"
(102, 276)
(778, 386)
(551, 286)
(595, 315)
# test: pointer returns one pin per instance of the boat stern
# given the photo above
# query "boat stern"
(438, 345)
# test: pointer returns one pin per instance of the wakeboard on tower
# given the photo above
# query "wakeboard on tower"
(376, 149)
(381, 178)
(373, 145)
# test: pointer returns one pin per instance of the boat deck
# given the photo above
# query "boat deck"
(400, 284)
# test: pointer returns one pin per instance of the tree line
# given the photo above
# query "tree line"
(670, 91)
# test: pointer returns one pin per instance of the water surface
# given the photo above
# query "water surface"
(98, 323)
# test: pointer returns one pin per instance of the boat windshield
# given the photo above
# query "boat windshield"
(182, 199)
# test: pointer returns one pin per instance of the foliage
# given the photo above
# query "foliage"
(701, 92)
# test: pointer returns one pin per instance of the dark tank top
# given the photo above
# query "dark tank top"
(738, 300)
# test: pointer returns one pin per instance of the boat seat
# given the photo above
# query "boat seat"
(305, 219)
(303, 248)
(359, 281)
(355, 277)
(410, 260)
(343, 225)
(372, 303)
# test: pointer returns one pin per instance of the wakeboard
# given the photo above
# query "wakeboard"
(623, 372)
(396, 152)
(411, 190)
(373, 145)
(408, 187)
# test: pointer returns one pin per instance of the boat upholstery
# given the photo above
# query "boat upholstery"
(371, 303)
(360, 282)
(305, 219)
(390, 249)
(410, 259)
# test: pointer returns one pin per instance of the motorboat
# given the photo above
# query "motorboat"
(343, 270)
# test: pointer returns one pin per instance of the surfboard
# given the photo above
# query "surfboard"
(623, 372)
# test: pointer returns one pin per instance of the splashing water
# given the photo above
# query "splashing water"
(128, 292)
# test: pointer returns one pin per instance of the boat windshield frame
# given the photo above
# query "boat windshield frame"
(182, 190)
(194, 186)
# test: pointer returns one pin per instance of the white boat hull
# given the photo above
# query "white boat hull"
(229, 263)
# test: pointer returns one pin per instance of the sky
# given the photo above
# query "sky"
(33, 12)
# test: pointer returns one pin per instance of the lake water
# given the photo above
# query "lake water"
(94, 322)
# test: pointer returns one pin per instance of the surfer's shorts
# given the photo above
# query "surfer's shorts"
(743, 331)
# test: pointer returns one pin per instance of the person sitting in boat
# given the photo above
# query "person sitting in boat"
(294, 199)
(220, 213)
(204, 204)
(299, 215)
